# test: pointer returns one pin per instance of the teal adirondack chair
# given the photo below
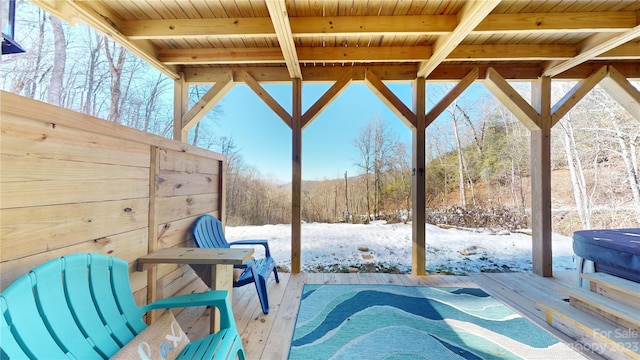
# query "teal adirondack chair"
(207, 232)
(81, 306)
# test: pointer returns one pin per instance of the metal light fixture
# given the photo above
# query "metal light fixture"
(9, 45)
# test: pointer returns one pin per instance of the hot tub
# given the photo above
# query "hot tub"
(614, 251)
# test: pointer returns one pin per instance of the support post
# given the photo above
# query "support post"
(418, 257)
(180, 107)
(541, 179)
(296, 177)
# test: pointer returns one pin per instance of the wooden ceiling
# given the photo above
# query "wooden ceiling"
(315, 40)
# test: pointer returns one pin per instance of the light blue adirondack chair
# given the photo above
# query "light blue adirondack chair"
(81, 306)
(207, 232)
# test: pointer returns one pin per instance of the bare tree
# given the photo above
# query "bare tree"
(54, 93)
(364, 143)
(576, 171)
(116, 56)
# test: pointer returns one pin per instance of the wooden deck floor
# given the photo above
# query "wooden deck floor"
(269, 336)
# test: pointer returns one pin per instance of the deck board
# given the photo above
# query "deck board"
(269, 336)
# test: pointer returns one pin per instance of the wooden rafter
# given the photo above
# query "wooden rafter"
(280, 18)
(472, 13)
(594, 46)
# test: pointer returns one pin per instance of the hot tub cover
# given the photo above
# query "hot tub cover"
(613, 251)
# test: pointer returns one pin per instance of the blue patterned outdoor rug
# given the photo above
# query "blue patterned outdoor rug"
(414, 322)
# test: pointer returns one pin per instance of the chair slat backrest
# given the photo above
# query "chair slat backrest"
(78, 306)
(20, 311)
(50, 297)
(100, 282)
(83, 307)
(208, 233)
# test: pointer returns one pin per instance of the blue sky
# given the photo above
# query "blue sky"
(264, 140)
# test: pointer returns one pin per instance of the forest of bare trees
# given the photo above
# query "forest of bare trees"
(477, 152)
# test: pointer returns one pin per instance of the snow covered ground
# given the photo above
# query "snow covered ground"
(453, 250)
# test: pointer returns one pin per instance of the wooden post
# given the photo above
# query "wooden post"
(418, 258)
(541, 179)
(180, 107)
(152, 273)
(296, 177)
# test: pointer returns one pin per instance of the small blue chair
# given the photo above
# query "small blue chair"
(208, 233)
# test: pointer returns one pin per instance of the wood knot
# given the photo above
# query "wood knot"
(102, 241)
(128, 210)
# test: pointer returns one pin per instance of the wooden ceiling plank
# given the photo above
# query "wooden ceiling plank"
(280, 19)
(265, 55)
(622, 91)
(472, 13)
(266, 97)
(390, 99)
(326, 98)
(206, 103)
(452, 95)
(579, 91)
(511, 99)
(594, 46)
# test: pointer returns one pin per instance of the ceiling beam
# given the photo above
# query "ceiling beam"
(471, 14)
(628, 51)
(329, 73)
(198, 28)
(280, 18)
(592, 47)
(341, 54)
(560, 21)
(377, 25)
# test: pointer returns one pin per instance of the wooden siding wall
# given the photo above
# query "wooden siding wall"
(73, 183)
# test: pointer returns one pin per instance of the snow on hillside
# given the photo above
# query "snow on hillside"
(452, 250)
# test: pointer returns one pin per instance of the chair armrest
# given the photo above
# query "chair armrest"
(262, 242)
(217, 298)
